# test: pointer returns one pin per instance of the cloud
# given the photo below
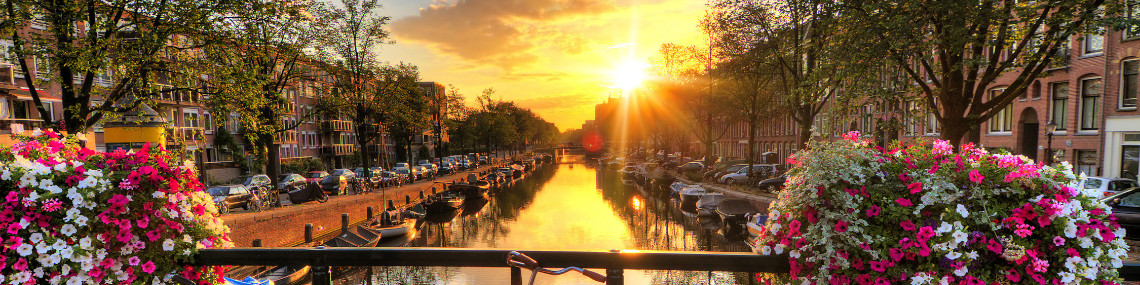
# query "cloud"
(570, 101)
(505, 34)
(548, 76)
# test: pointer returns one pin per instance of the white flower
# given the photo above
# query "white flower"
(794, 254)
(1071, 230)
(952, 255)
(920, 279)
(962, 211)
(66, 253)
(944, 228)
(85, 243)
(168, 245)
(59, 244)
(36, 237)
(779, 248)
(43, 248)
(67, 229)
(55, 258)
(766, 250)
(972, 255)
(1067, 278)
(32, 196)
(81, 220)
(24, 249)
(6, 175)
(961, 271)
(959, 237)
(775, 228)
(1085, 242)
(158, 195)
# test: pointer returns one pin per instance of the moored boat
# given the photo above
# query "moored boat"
(690, 196)
(734, 214)
(706, 206)
(755, 224)
(444, 201)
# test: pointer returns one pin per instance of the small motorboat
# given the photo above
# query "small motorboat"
(391, 224)
(444, 201)
(690, 196)
(416, 212)
(478, 190)
(676, 188)
(706, 206)
(734, 214)
(518, 171)
(755, 224)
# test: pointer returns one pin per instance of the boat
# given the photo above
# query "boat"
(444, 201)
(471, 207)
(706, 206)
(390, 224)
(676, 188)
(755, 224)
(477, 190)
(689, 197)
(360, 236)
(416, 212)
(734, 214)
(518, 171)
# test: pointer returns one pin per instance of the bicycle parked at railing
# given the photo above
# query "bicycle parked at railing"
(517, 259)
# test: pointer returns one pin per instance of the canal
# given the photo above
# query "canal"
(566, 206)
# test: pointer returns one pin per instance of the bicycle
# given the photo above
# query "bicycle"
(517, 259)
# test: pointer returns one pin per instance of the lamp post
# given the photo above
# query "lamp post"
(1049, 129)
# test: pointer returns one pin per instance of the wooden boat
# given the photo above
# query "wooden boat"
(392, 224)
(478, 190)
(360, 236)
(445, 201)
(734, 213)
(285, 275)
(416, 212)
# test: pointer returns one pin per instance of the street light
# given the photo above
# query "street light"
(1049, 129)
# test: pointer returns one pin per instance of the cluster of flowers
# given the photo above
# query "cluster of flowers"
(925, 214)
(76, 216)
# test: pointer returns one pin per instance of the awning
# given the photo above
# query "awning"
(24, 94)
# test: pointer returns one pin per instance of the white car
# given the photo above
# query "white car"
(763, 171)
(1107, 186)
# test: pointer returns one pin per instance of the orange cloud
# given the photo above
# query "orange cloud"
(505, 34)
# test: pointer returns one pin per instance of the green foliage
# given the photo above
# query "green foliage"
(302, 166)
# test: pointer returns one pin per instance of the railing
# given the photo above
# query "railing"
(285, 137)
(614, 262)
(11, 126)
(338, 149)
(1060, 59)
(336, 126)
(176, 134)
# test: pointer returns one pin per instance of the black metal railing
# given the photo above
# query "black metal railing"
(614, 262)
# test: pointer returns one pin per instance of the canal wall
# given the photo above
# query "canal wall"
(284, 227)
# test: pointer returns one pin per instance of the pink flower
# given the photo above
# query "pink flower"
(976, 177)
(851, 136)
(942, 147)
(914, 187)
(907, 225)
(148, 267)
(133, 261)
(904, 202)
(841, 226)
(1023, 230)
(896, 254)
(1058, 241)
(1040, 265)
(924, 234)
(878, 266)
(1012, 275)
(873, 211)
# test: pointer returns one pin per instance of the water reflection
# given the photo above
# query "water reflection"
(563, 207)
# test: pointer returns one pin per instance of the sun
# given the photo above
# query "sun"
(628, 75)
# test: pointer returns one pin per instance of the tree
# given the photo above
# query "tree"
(954, 50)
(124, 44)
(349, 33)
(404, 108)
(685, 76)
(263, 55)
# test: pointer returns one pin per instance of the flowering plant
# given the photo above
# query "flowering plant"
(77, 216)
(919, 214)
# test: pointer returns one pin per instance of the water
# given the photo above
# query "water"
(563, 207)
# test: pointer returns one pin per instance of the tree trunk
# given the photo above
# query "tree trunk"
(959, 131)
(272, 162)
(805, 134)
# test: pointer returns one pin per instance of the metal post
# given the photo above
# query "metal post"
(344, 222)
(1049, 148)
(257, 243)
(407, 199)
(615, 276)
(516, 276)
(322, 273)
(308, 233)
(368, 213)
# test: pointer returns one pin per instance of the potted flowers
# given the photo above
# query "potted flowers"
(926, 214)
(76, 216)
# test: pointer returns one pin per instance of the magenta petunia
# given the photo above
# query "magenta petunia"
(976, 177)
(904, 202)
(873, 211)
(841, 226)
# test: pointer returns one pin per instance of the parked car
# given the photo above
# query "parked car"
(315, 176)
(389, 178)
(262, 186)
(227, 197)
(774, 184)
(759, 172)
(445, 168)
(711, 172)
(401, 165)
(424, 172)
(1108, 186)
(727, 170)
(691, 167)
(409, 174)
(337, 182)
(290, 181)
(371, 177)
(1126, 207)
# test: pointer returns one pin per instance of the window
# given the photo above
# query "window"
(1129, 161)
(1060, 94)
(190, 119)
(868, 120)
(931, 124)
(43, 68)
(1003, 120)
(1086, 162)
(208, 122)
(1130, 12)
(1094, 43)
(1128, 86)
(910, 118)
(1090, 98)
(1036, 90)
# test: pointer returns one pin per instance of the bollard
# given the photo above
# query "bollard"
(308, 233)
(344, 222)
(421, 195)
(257, 243)
(407, 199)
(369, 213)
(391, 206)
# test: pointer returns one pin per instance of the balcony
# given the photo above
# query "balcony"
(184, 135)
(17, 126)
(288, 108)
(338, 149)
(180, 97)
(285, 137)
(336, 126)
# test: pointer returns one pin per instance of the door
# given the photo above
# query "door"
(1029, 137)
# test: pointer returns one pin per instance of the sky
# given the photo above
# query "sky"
(556, 57)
